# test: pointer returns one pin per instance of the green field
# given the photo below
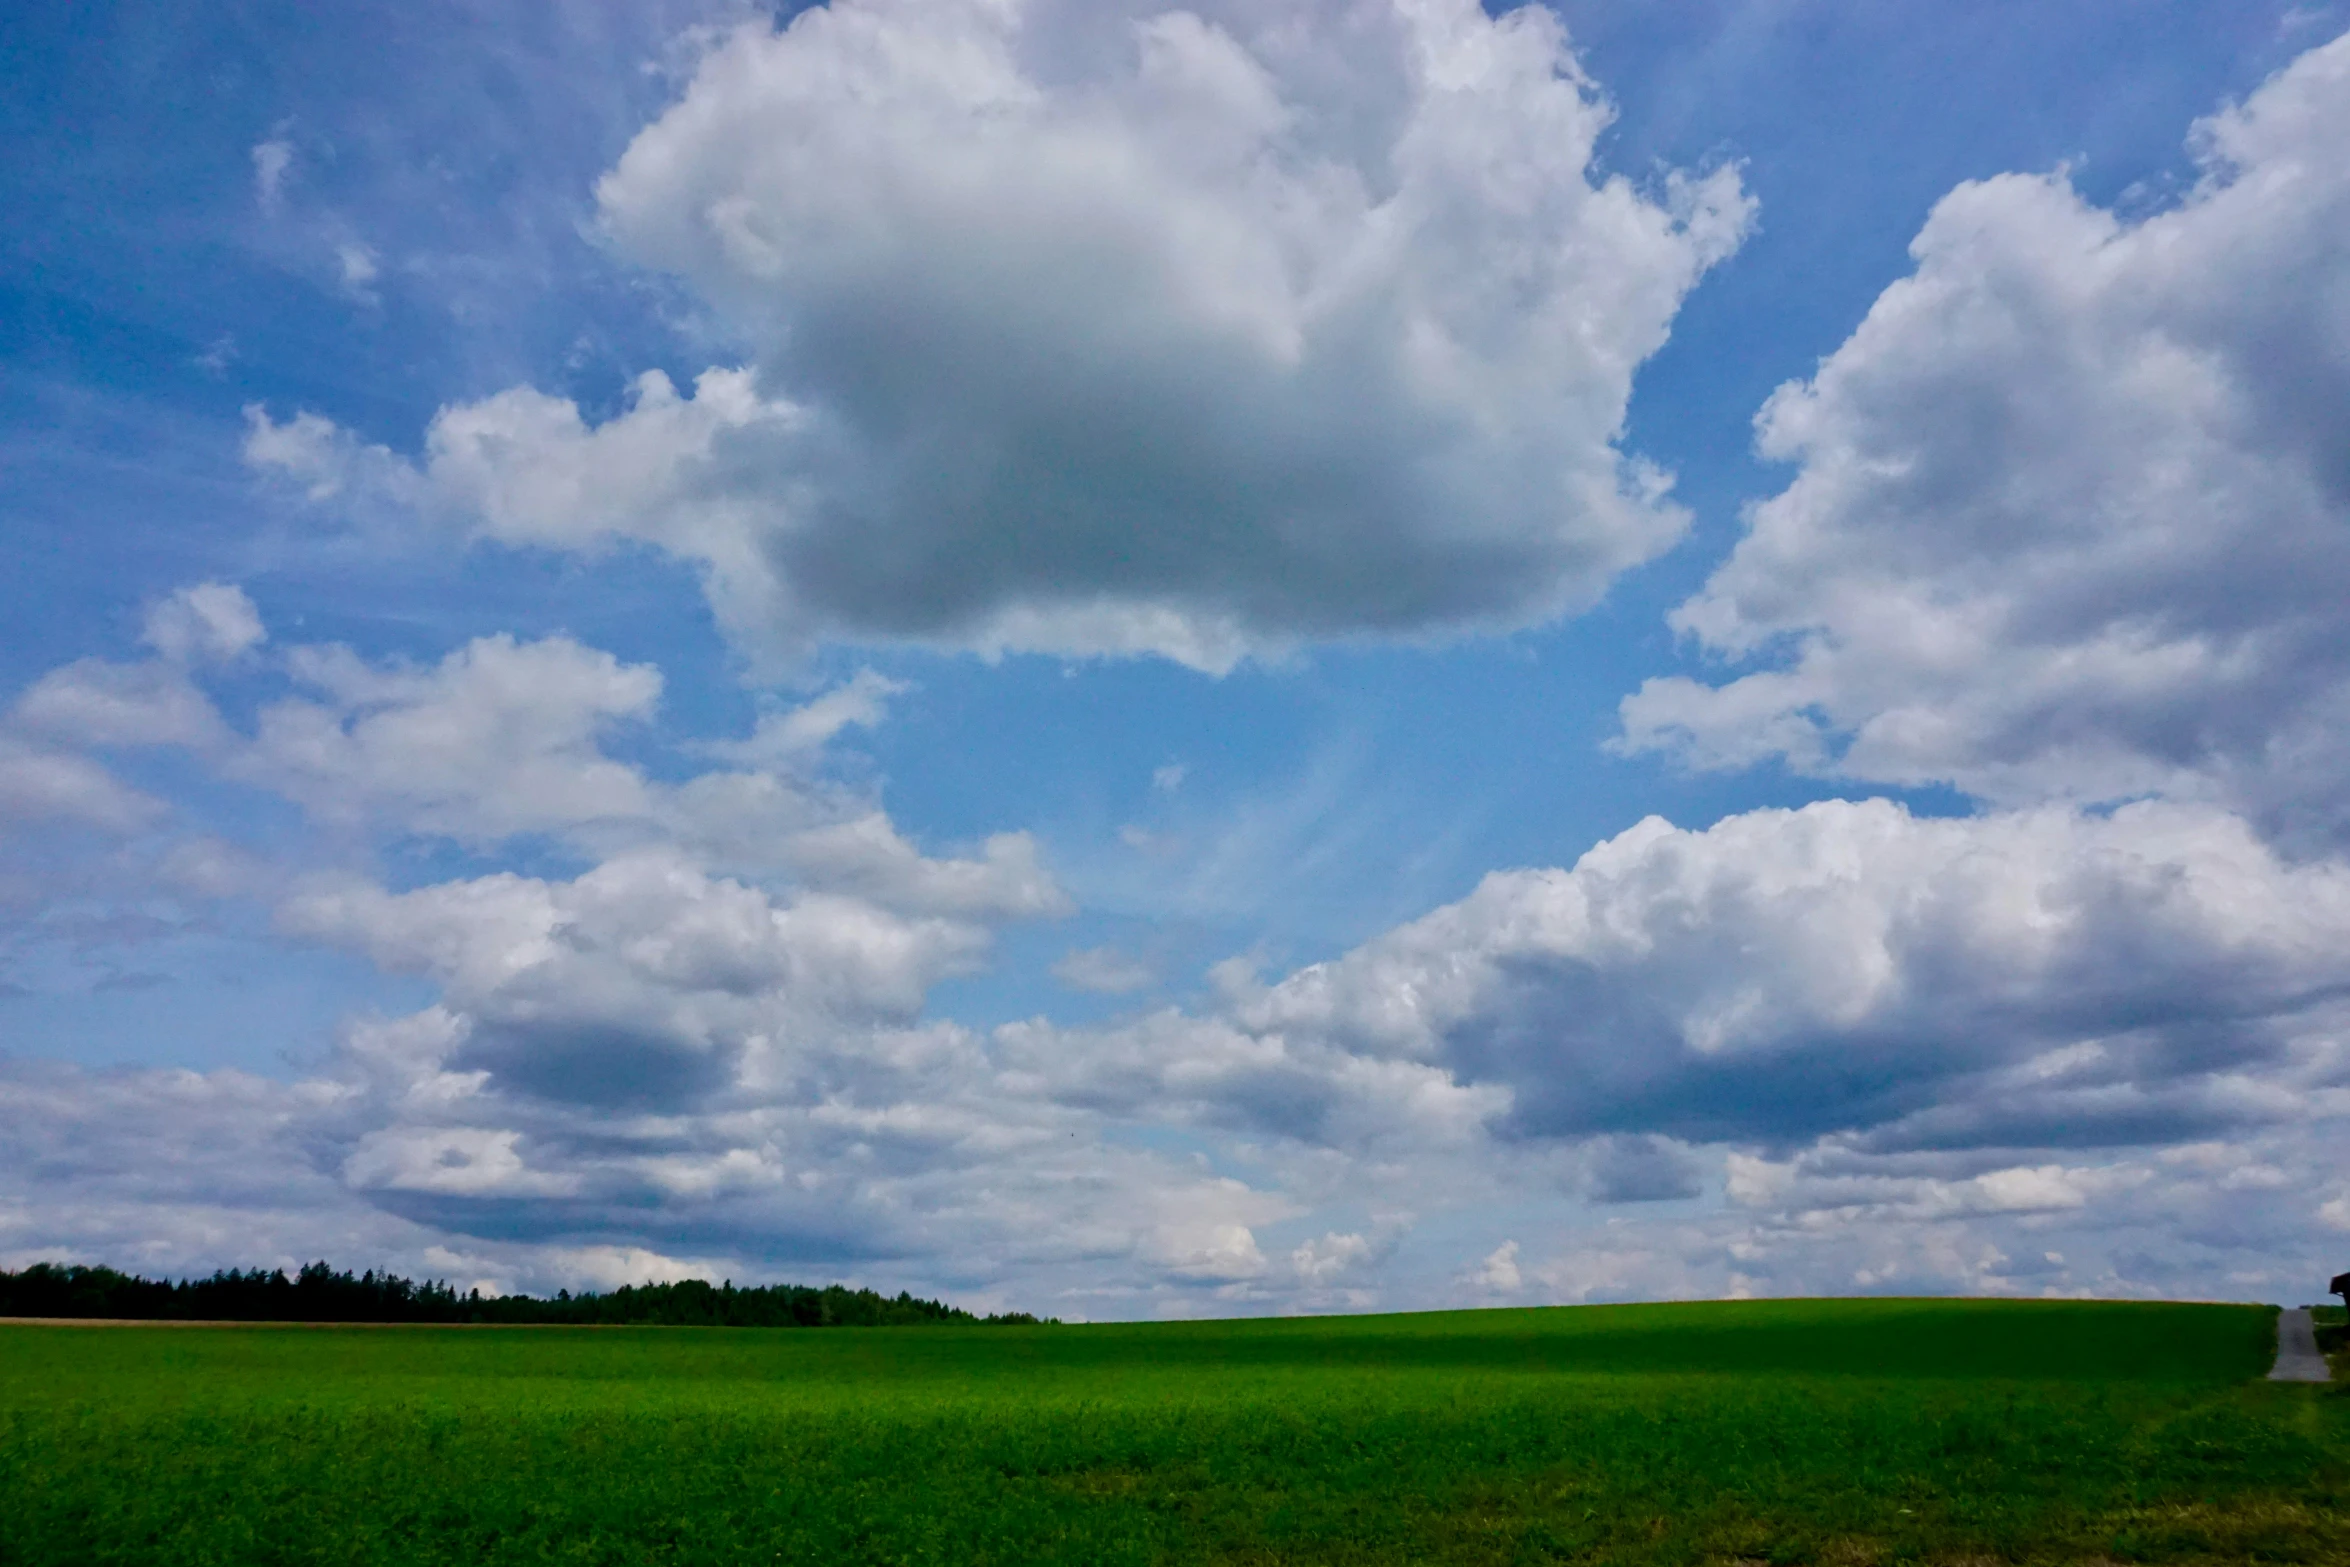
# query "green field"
(1829, 1431)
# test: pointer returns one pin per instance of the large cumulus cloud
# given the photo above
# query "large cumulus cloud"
(704, 1050)
(384, 1156)
(2071, 514)
(1105, 329)
(1839, 1048)
(2029, 980)
(2066, 530)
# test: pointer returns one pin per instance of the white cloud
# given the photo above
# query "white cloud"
(212, 868)
(326, 462)
(460, 1161)
(498, 740)
(356, 264)
(42, 784)
(1104, 971)
(1498, 1273)
(2071, 516)
(1205, 1234)
(500, 737)
(791, 737)
(609, 1267)
(2041, 979)
(762, 824)
(1674, 1264)
(185, 1171)
(644, 980)
(271, 161)
(652, 1067)
(534, 472)
(2063, 530)
(95, 703)
(208, 621)
(1217, 1072)
(1092, 331)
(1914, 1054)
(664, 1063)
(1331, 1257)
(1815, 1181)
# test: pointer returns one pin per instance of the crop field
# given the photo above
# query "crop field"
(1799, 1431)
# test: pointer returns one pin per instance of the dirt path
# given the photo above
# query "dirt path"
(2297, 1356)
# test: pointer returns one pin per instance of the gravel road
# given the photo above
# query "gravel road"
(2297, 1356)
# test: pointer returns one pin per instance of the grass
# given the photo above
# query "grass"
(2333, 1332)
(1827, 1431)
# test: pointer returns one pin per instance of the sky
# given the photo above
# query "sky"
(1123, 662)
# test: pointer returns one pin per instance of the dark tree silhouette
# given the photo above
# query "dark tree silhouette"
(319, 1294)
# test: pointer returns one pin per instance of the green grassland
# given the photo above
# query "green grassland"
(1829, 1431)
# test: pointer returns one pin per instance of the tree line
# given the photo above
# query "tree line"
(320, 1294)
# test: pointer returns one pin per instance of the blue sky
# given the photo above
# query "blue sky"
(1028, 652)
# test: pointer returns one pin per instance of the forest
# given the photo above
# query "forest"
(318, 1293)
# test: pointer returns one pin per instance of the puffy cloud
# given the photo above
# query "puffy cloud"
(1332, 1256)
(1498, 1273)
(89, 1151)
(463, 1161)
(208, 621)
(328, 463)
(1905, 1053)
(2042, 979)
(709, 1044)
(794, 735)
(2210, 1217)
(651, 1061)
(94, 704)
(500, 737)
(1203, 1234)
(1210, 334)
(273, 159)
(648, 1065)
(2071, 515)
(41, 784)
(644, 980)
(528, 470)
(103, 705)
(908, 1171)
(47, 773)
(1098, 330)
(761, 823)
(1218, 1072)
(503, 738)
(358, 268)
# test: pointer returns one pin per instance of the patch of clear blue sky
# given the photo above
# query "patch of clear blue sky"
(146, 296)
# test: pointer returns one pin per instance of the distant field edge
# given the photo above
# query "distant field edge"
(250, 1322)
(1705, 1312)
(1942, 1338)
